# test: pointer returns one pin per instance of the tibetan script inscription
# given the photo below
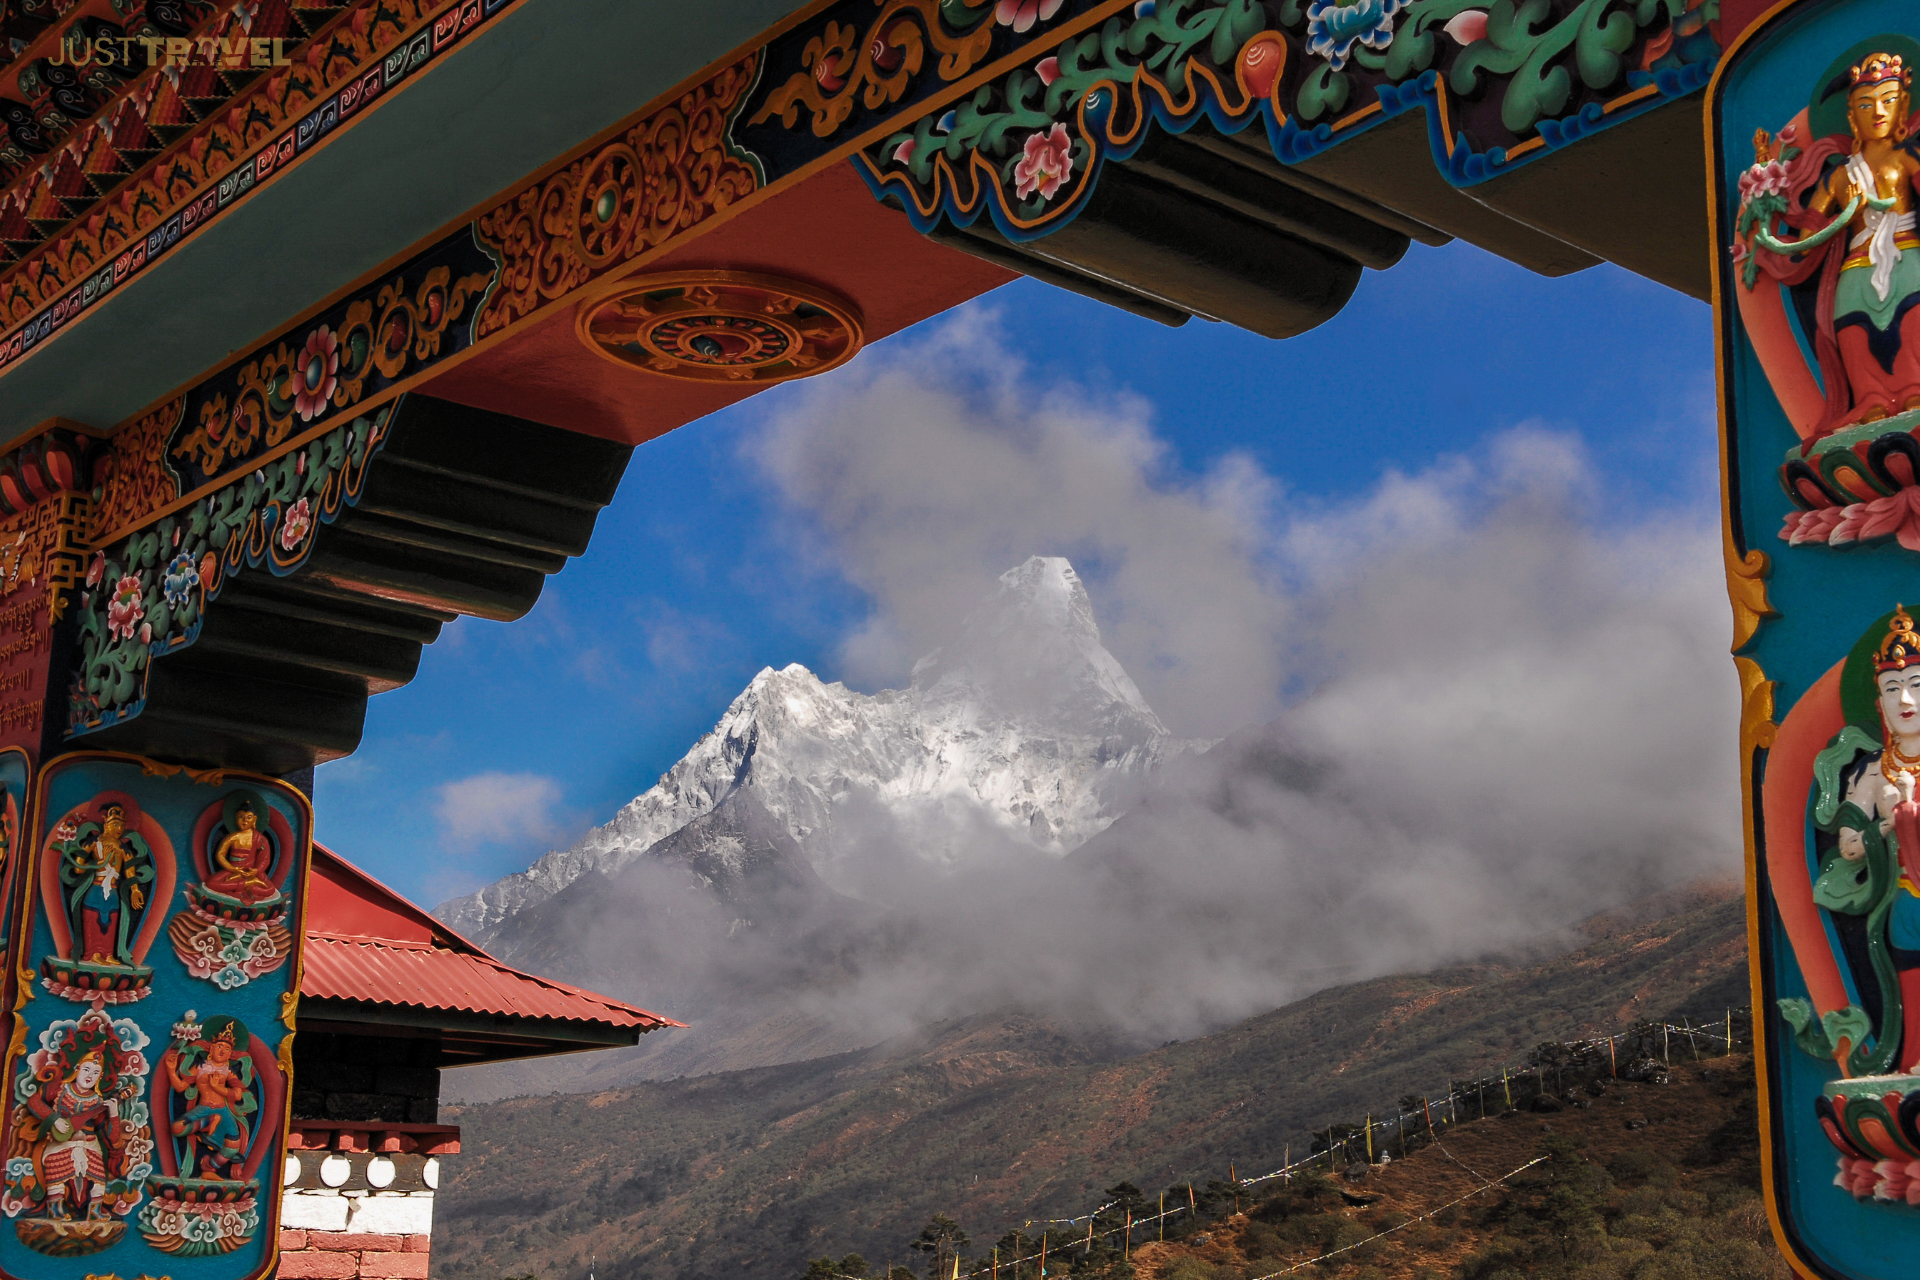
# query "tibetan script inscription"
(38, 563)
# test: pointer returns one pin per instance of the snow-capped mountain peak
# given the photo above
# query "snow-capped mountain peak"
(1023, 721)
(1033, 649)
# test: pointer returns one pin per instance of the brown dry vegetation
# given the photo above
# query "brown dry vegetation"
(1643, 1181)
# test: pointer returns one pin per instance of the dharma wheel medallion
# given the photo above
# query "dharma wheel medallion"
(721, 326)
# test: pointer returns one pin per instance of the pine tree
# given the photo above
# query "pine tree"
(943, 1238)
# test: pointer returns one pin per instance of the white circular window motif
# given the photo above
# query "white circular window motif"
(431, 1173)
(290, 1174)
(335, 1170)
(380, 1172)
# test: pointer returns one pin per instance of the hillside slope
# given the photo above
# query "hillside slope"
(1638, 1180)
(997, 1119)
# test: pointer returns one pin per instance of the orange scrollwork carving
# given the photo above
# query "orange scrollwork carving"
(842, 66)
(300, 381)
(670, 172)
(1747, 589)
(137, 482)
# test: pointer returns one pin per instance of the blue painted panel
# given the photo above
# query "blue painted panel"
(145, 1105)
(1828, 598)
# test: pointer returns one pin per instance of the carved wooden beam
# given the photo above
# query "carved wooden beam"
(248, 627)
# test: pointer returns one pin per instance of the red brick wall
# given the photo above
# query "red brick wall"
(344, 1255)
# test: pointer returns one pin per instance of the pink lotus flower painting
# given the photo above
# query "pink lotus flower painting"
(126, 608)
(1046, 162)
(316, 372)
(1022, 14)
(294, 525)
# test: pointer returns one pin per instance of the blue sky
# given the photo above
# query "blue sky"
(516, 737)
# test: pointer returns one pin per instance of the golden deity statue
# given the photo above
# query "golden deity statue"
(241, 861)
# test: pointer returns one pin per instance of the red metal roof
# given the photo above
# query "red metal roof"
(367, 944)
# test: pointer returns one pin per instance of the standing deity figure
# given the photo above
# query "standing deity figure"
(75, 1138)
(1879, 810)
(211, 1072)
(1879, 283)
(241, 861)
(105, 878)
(1856, 235)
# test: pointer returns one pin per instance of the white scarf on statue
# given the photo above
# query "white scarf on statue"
(1883, 226)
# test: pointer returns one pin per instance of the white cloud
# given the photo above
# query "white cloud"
(921, 488)
(501, 809)
(1497, 705)
(1516, 717)
(1472, 706)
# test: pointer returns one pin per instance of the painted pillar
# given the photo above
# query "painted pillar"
(155, 959)
(153, 917)
(1813, 168)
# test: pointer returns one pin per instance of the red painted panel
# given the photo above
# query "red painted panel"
(1737, 15)
(828, 231)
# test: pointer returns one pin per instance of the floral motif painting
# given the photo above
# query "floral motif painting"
(1501, 85)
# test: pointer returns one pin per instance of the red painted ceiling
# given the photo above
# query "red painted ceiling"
(828, 231)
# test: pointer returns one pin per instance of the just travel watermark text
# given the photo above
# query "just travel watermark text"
(172, 51)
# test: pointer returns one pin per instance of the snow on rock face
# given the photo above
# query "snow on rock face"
(1023, 722)
(1032, 653)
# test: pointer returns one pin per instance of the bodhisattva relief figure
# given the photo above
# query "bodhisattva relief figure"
(76, 1140)
(212, 1076)
(106, 878)
(1879, 282)
(1851, 226)
(1881, 796)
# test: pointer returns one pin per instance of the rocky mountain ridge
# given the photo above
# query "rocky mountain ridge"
(1023, 728)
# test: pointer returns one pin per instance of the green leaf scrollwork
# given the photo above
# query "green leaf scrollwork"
(999, 117)
(146, 595)
(1539, 86)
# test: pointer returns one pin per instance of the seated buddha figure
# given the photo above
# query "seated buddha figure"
(1878, 288)
(241, 861)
